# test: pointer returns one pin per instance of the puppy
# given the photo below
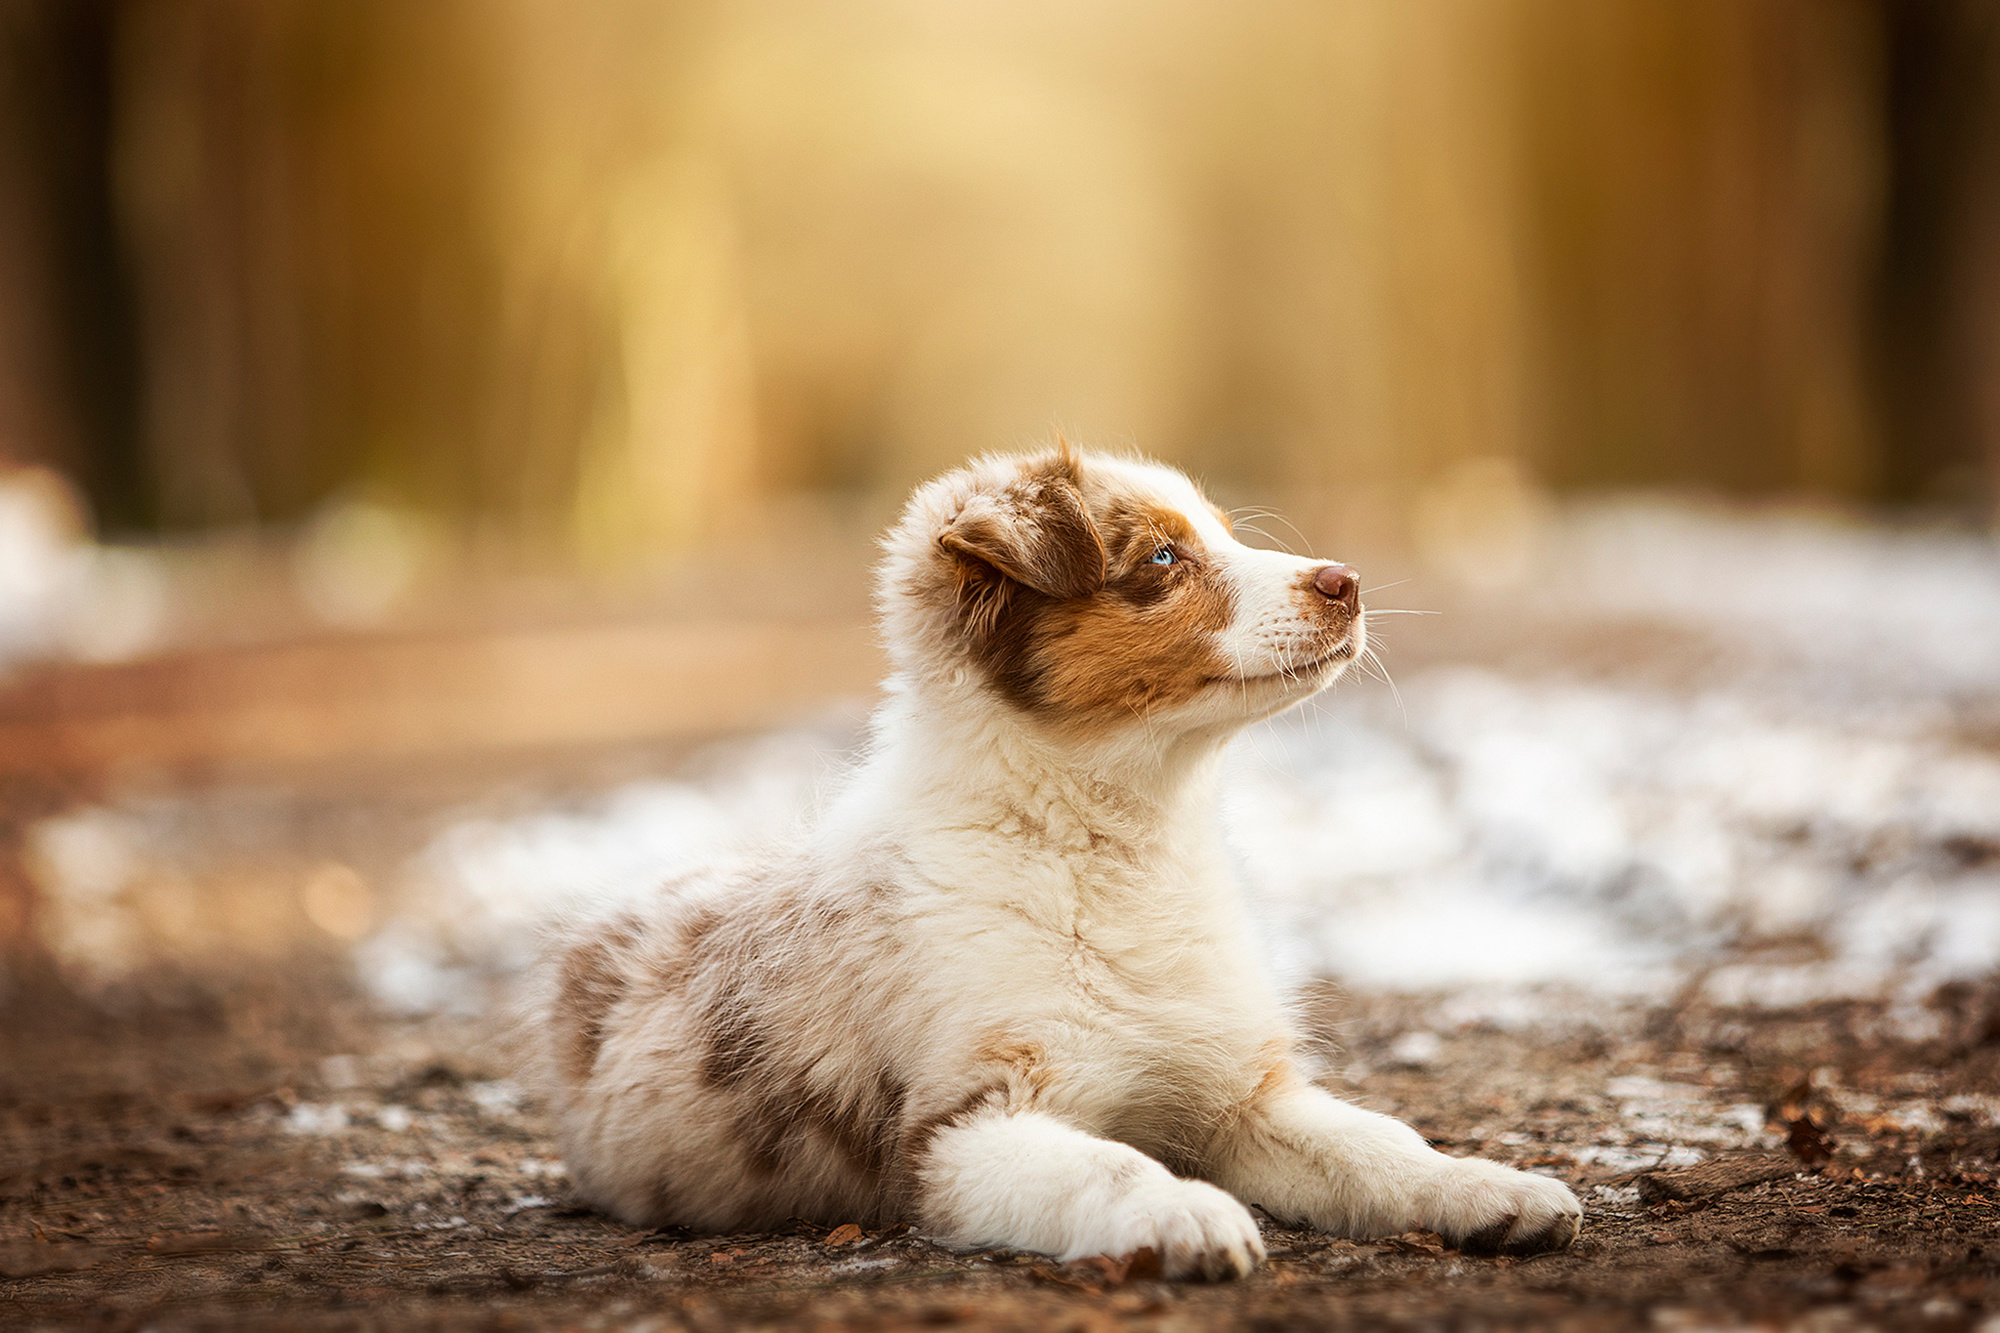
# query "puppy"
(1003, 989)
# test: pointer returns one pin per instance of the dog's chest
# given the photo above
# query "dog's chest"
(1119, 932)
(1129, 977)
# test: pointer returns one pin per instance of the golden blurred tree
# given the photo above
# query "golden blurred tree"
(601, 280)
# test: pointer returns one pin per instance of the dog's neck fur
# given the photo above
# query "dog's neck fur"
(949, 755)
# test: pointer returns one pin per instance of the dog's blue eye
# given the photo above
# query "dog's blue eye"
(1164, 556)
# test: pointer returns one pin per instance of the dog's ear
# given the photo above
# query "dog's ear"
(1034, 532)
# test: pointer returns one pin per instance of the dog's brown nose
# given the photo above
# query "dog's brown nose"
(1339, 583)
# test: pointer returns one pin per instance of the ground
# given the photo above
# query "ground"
(258, 900)
(249, 1160)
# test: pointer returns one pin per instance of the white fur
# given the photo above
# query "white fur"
(1002, 986)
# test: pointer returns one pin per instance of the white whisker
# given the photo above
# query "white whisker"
(1251, 527)
(1274, 514)
(1376, 658)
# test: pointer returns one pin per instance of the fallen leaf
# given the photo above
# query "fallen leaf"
(1805, 1113)
(1140, 1265)
(846, 1234)
(1045, 1273)
(1808, 1141)
(1143, 1264)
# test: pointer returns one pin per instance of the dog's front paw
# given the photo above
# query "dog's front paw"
(1485, 1208)
(1195, 1228)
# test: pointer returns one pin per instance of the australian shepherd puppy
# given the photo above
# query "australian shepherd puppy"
(1004, 989)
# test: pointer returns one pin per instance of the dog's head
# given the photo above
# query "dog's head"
(1094, 592)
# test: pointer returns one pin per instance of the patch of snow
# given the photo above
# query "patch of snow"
(1978, 1107)
(1781, 579)
(1511, 834)
(861, 1265)
(1608, 838)
(1640, 1089)
(483, 887)
(316, 1118)
(409, 1168)
(1915, 1118)
(1819, 831)
(1645, 1156)
(498, 1098)
(62, 595)
(1416, 1050)
(541, 1168)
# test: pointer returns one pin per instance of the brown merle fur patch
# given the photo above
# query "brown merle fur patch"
(779, 1104)
(591, 983)
(732, 1047)
(1141, 640)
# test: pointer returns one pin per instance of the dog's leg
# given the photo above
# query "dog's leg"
(1303, 1155)
(1028, 1181)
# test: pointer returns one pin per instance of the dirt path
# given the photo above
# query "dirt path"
(264, 1161)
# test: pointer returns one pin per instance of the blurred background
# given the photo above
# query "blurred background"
(442, 445)
(601, 282)
(422, 423)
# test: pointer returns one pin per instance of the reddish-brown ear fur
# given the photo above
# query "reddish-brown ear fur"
(1035, 532)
